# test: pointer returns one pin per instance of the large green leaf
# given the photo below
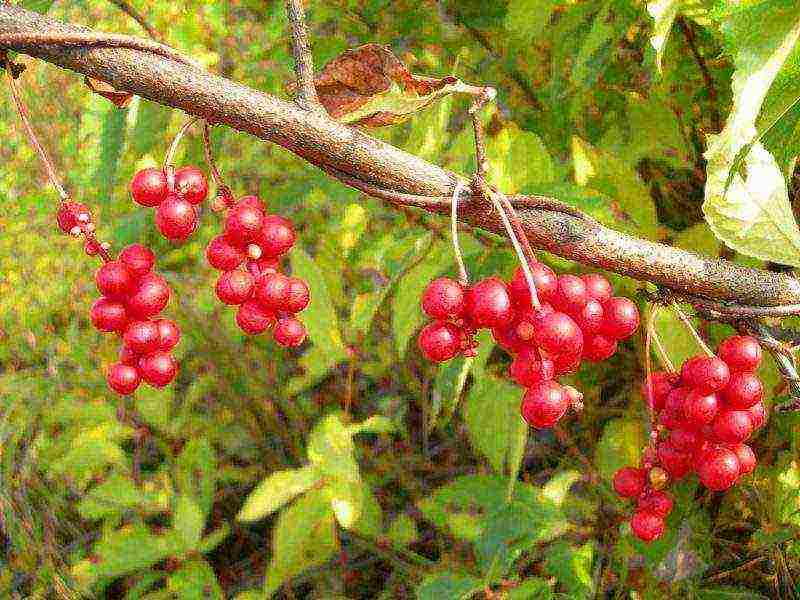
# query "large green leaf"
(664, 13)
(620, 446)
(132, 548)
(276, 490)
(451, 377)
(572, 567)
(195, 580)
(196, 472)
(188, 522)
(112, 141)
(448, 586)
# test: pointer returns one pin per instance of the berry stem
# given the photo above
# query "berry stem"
(223, 191)
(463, 276)
(648, 370)
(662, 353)
(174, 145)
(682, 316)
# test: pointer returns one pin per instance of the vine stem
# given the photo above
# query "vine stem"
(463, 275)
(685, 320)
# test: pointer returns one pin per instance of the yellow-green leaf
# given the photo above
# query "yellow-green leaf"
(275, 491)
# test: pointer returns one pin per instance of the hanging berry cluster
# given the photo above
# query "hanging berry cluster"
(704, 415)
(578, 318)
(175, 194)
(248, 253)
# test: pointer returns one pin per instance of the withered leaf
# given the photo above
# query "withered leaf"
(119, 97)
(370, 86)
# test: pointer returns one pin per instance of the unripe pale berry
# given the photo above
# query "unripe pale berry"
(647, 526)
(298, 297)
(138, 258)
(191, 184)
(544, 404)
(150, 297)
(597, 287)
(621, 318)
(243, 224)
(743, 391)
(289, 332)
(234, 287)
(440, 341)
(558, 334)
(487, 303)
(158, 369)
(629, 482)
(176, 218)
(149, 187)
(732, 426)
(168, 333)
(277, 235)
(114, 280)
(718, 469)
(253, 319)
(444, 297)
(108, 315)
(123, 379)
(272, 291)
(223, 255)
(142, 337)
(741, 352)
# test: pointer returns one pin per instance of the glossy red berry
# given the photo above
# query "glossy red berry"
(487, 303)
(700, 409)
(656, 502)
(68, 216)
(598, 347)
(439, 341)
(544, 279)
(289, 332)
(443, 298)
(298, 297)
(570, 295)
(272, 291)
(528, 369)
(684, 439)
(629, 482)
(743, 391)
(597, 287)
(707, 375)
(758, 414)
(676, 463)
(661, 385)
(253, 319)
(224, 256)
(149, 187)
(243, 224)
(123, 379)
(590, 317)
(277, 235)
(138, 258)
(621, 318)
(544, 404)
(718, 468)
(142, 337)
(128, 357)
(252, 202)
(647, 526)
(732, 426)
(746, 456)
(150, 297)
(558, 334)
(108, 315)
(114, 280)
(191, 183)
(168, 333)
(234, 287)
(741, 352)
(176, 218)
(158, 369)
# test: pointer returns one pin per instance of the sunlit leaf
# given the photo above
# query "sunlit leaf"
(438, 586)
(572, 567)
(275, 491)
(620, 446)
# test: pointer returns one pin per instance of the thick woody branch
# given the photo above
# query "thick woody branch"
(324, 142)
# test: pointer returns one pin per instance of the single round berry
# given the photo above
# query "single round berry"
(222, 255)
(243, 224)
(114, 280)
(506, 337)
(741, 352)
(657, 502)
(661, 384)
(544, 279)
(108, 315)
(590, 317)
(149, 187)
(597, 287)
(289, 332)
(758, 414)
(142, 337)
(629, 482)
(234, 287)
(746, 456)
(558, 334)
(647, 526)
(487, 303)
(191, 184)
(123, 379)
(732, 426)
(544, 404)
(299, 296)
(253, 319)
(718, 468)
(266, 264)
(743, 391)
(150, 297)
(176, 218)
(444, 297)
(621, 318)
(528, 369)
(158, 369)
(528, 321)
(128, 357)
(676, 463)
(684, 439)
(168, 333)
(707, 374)
(598, 347)
(277, 235)
(571, 295)
(272, 291)
(566, 363)
(252, 202)
(700, 409)
(138, 258)
(68, 215)
(440, 341)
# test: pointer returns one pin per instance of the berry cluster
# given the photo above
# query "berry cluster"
(175, 193)
(75, 219)
(248, 253)
(579, 318)
(705, 414)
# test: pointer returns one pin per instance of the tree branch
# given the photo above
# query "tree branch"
(324, 142)
(303, 61)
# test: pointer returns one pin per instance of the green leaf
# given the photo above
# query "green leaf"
(572, 567)
(130, 549)
(518, 160)
(374, 424)
(663, 13)
(214, 539)
(370, 519)
(451, 377)
(728, 593)
(751, 212)
(40, 6)
(112, 140)
(188, 522)
(620, 446)
(447, 586)
(558, 486)
(276, 490)
(331, 449)
(196, 472)
(526, 19)
(195, 580)
(403, 531)
(347, 501)
(304, 536)
(531, 589)
(118, 494)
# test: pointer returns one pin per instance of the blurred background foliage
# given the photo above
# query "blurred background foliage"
(386, 477)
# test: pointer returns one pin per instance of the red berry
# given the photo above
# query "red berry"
(506, 337)
(558, 334)
(656, 502)
(741, 352)
(168, 333)
(544, 404)
(123, 379)
(566, 363)
(191, 184)
(128, 357)
(676, 463)
(597, 287)
(684, 439)
(571, 295)
(252, 202)
(277, 235)
(487, 303)
(222, 255)
(629, 482)
(266, 264)
(647, 526)
(529, 320)
(661, 384)
(743, 390)
(706, 374)
(528, 369)
(253, 319)
(149, 187)
(718, 469)
(150, 297)
(598, 347)
(176, 218)
(68, 214)
(298, 297)
(158, 369)
(114, 280)
(440, 341)
(544, 279)
(142, 337)
(243, 224)
(139, 259)
(746, 456)
(108, 315)
(590, 317)
(234, 287)
(758, 414)
(732, 426)
(621, 318)
(444, 297)
(289, 332)
(676, 400)
(272, 291)
(700, 409)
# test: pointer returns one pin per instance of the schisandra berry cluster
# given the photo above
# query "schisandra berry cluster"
(705, 414)
(174, 193)
(579, 318)
(248, 253)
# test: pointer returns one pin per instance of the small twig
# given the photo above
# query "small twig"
(486, 94)
(537, 202)
(303, 61)
(685, 320)
(131, 11)
(463, 276)
(738, 311)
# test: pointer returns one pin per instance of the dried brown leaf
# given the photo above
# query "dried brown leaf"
(119, 97)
